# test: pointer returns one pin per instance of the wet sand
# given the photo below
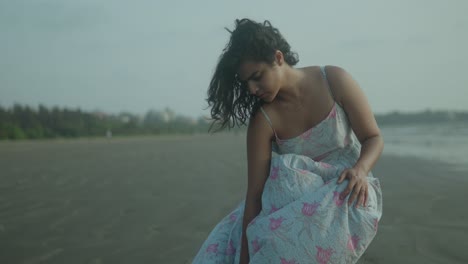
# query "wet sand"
(155, 199)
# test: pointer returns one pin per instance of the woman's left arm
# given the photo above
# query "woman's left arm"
(353, 100)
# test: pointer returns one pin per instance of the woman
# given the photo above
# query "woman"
(312, 142)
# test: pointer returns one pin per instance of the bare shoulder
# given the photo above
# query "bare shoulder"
(336, 71)
(341, 82)
(313, 72)
(259, 128)
(355, 103)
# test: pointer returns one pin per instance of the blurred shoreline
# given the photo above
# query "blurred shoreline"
(446, 143)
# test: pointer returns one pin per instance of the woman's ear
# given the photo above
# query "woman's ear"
(279, 59)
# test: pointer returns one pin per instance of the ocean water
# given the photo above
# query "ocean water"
(447, 142)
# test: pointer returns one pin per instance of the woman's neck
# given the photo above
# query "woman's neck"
(292, 90)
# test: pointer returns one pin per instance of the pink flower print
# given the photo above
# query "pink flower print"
(376, 224)
(275, 223)
(233, 217)
(278, 140)
(273, 209)
(333, 112)
(303, 172)
(274, 172)
(325, 165)
(329, 181)
(346, 140)
(308, 209)
(323, 255)
(337, 199)
(321, 156)
(306, 134)
(284, 261)
(255, 245)
(353, 241)
(213, 248)
(230, 250)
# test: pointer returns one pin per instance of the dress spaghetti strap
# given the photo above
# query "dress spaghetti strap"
(324, 75)
(268, 120)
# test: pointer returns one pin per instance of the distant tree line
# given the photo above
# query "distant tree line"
(422, 117)
(24, 122)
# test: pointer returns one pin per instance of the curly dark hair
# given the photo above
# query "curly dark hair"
(229, 98)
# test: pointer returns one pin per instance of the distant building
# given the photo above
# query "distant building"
(99, 114)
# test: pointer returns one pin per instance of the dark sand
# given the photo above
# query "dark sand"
(155, 199)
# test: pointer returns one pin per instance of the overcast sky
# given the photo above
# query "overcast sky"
(113, 55)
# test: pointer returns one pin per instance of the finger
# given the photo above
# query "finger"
(366, 197)
(342, 176)
(348, 189)
(355, 194)
(362, 195)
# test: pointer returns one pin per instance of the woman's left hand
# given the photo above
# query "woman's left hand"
(357, 184)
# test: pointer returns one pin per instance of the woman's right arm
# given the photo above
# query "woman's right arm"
(259, 136)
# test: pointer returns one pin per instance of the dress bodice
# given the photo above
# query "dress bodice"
(331, 141)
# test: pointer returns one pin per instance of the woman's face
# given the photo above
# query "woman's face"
(261, 79)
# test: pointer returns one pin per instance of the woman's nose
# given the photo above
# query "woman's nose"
(252, 88)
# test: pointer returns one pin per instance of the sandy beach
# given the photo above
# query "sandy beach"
(155, 199)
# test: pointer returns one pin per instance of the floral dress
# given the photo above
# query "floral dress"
(303, 219)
